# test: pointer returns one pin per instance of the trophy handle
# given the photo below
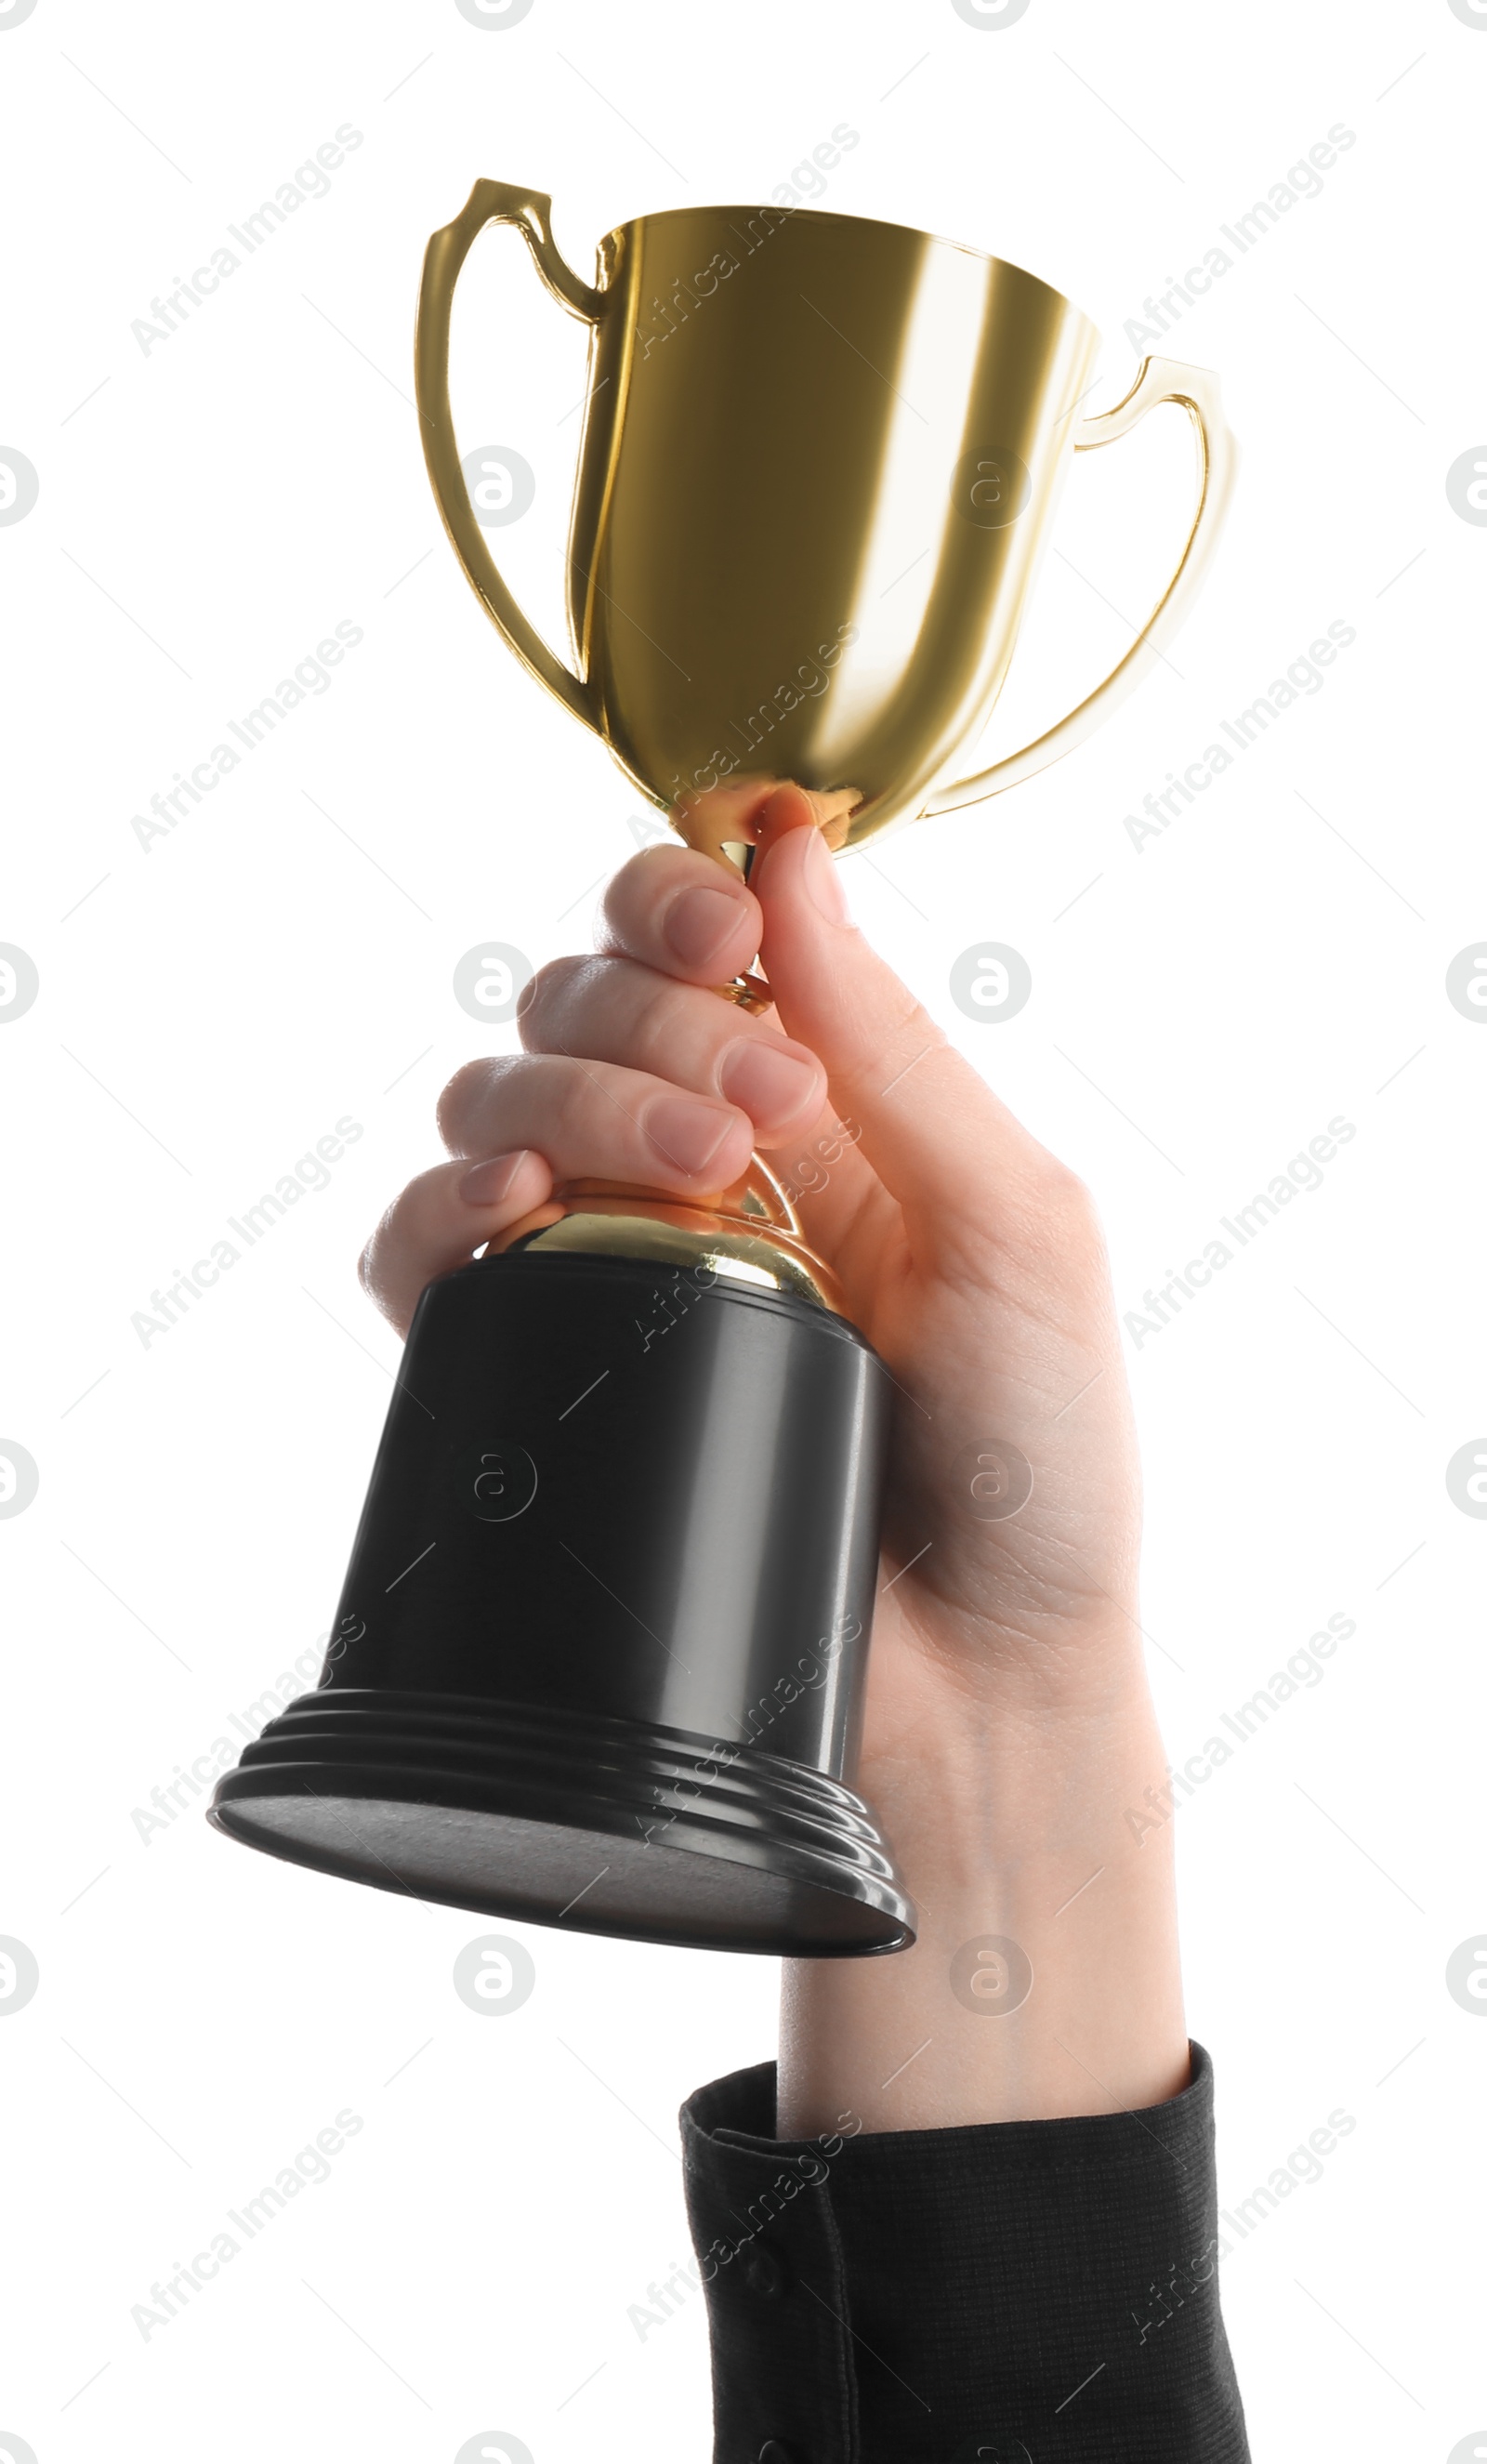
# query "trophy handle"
(1197, 390)
(490, 201)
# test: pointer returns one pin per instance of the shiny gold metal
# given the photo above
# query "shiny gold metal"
(821, 457)
(695, 1240)
(750, 992)
(747, 1234)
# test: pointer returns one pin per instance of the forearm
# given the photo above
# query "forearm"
(1007, 1819)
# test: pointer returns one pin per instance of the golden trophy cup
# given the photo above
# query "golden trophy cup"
(604, 1668)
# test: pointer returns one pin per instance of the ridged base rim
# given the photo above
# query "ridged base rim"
(599, 1824)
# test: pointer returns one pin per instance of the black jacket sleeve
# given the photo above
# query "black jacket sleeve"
(1017, 2291)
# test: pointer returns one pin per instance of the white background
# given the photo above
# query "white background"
(207, 511)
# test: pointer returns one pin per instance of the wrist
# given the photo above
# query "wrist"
(1044, 1978)
(974, 1764)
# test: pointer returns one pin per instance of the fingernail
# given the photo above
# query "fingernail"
(487, 1183)
(686, 1133)
(766, 1081)
(823, 880)
(696, 925)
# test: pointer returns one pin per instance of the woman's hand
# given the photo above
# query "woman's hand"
(1008, 1725)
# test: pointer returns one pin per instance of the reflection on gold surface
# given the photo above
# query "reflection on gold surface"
(821, 457)
(698, 1242)
(819, 463)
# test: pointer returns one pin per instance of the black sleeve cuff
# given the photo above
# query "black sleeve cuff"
(1044, 2291)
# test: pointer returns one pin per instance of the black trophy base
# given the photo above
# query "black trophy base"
(598, 1826)
(602, 1651)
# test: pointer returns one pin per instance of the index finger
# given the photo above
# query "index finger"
(682, 912)
(692, 914)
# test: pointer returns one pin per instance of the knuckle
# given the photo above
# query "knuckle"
(911, 1028)
(380, 1248)
(457, 1095)
(667, 1022)
(1068, 1200)
(568, 1099)
(464, 1092)
(633, 890)
(370, 1263)
(1059, 1182)
(548, 996)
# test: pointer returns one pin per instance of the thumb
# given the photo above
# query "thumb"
(940, 1141)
